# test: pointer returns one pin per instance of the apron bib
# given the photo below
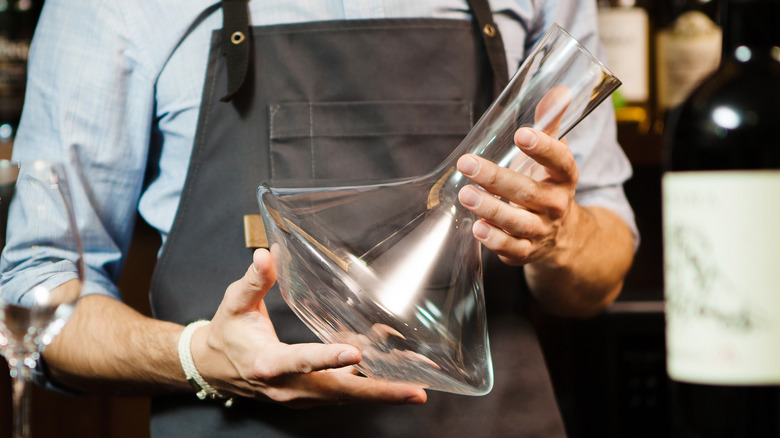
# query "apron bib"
(337, 100)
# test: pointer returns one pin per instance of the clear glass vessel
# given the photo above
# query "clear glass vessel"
(392, 267)
(41, 270)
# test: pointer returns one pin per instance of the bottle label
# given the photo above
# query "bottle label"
(686, 53)
(624, 32)
(13, 73)
(722, 276)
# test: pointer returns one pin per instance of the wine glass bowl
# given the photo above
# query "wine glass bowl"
(30, 326)
(41, 269)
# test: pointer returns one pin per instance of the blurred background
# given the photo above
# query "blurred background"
(609, 371)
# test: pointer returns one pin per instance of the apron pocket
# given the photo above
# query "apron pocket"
(349, 141)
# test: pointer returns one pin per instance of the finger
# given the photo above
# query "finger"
(554, 155)
(304, 359)
(487, 174)
(371, 390)
(505, 183)
(247, 293)
(550, 109)
(343, 388)
(305, 375)
(548, 115)
(347, 369)
(512, 250)
(513, 220)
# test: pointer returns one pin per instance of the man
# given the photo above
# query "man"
(123, 83)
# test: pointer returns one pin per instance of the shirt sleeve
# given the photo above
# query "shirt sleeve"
(89, 103)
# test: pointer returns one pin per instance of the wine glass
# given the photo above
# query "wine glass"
(41, 270)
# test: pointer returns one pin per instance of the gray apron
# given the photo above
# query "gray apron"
(362, 99)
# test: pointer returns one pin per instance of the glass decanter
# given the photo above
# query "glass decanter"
(391, 267)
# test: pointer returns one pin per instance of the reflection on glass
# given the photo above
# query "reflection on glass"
(392, 267)
(38, 288)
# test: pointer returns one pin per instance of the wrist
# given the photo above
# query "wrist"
(203, 390)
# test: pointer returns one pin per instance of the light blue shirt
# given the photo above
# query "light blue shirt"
(121, 81)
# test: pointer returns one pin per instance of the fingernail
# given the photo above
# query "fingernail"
(468, 166)
(526, 138)
(414, 400)
(481, 231)
(469, 197)
(348, 358)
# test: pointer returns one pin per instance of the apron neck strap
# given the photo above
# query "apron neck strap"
(494, 44)
(235, 43)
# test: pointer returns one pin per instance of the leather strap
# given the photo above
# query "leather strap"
(236, 44)
(494, 44)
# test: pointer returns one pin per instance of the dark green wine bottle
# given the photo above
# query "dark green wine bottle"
(721, 225)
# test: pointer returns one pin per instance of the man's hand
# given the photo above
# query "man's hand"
(527, 228)
(240, 354)
(575, 257)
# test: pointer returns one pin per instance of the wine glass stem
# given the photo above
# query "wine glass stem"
(21, 402)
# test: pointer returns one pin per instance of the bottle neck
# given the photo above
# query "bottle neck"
(751, 24)
(665, 13)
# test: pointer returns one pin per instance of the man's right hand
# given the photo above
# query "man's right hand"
(238, 353)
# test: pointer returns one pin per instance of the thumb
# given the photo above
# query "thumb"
(247, 293)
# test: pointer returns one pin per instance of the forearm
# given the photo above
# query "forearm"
(107, 347)
(586, 272)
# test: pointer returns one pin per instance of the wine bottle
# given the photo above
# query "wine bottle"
(721, 228)
(687, 50)
(624, 27)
